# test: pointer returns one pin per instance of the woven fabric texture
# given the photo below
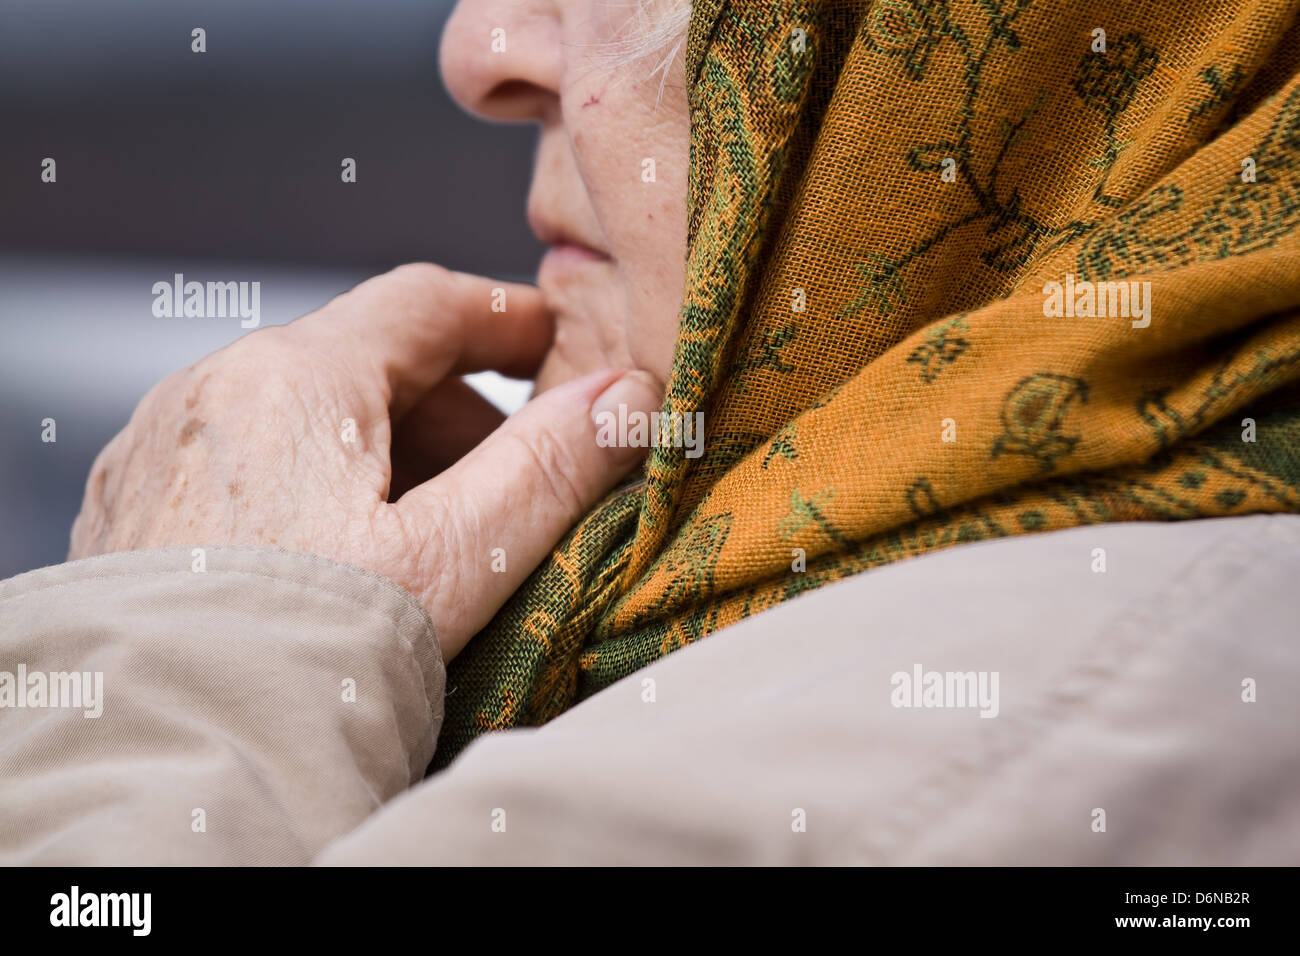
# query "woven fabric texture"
(881, 197)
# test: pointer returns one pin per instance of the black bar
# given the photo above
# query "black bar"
(215, 906)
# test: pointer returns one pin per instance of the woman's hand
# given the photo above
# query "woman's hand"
(285, 438)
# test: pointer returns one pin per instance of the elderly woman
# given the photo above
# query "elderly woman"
(934, 274)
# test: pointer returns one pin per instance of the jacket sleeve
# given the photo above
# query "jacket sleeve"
(1123, 725)
(227, 706)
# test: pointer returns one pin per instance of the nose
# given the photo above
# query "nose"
(501, 59)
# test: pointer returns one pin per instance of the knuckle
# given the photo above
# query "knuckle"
(418, 280)
(552, 458)
(421, 272)
(402, 293)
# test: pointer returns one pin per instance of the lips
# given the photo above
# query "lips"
(573, 253)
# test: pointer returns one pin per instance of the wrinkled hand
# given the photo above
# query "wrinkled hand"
(286, 438)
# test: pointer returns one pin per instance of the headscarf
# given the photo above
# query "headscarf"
(884, 200)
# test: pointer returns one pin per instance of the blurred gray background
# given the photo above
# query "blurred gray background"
(223, 166)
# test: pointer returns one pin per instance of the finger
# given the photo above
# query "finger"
(520, 491)
(485, 345)
(443, 426)
(419, 323)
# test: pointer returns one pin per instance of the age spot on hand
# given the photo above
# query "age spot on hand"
(190, 431)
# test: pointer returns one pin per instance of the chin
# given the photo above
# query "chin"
(562, 365)
(551, 374)
(587, 339)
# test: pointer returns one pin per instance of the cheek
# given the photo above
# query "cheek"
(632, 151)
(653, 315)
(654, 271)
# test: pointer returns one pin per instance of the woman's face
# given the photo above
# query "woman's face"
(609, 182)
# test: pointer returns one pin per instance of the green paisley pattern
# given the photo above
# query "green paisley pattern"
(915, 172)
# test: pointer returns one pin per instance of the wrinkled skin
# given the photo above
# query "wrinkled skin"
(599, 123)
(348, 433)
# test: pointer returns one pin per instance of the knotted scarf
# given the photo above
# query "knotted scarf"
(957, 270)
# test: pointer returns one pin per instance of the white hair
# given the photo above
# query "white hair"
(654, 28)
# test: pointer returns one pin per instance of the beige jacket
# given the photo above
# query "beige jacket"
(277, 708)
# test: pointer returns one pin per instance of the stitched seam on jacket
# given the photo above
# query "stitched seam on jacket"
(960, 781)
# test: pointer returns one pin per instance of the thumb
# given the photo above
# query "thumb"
(500, 510)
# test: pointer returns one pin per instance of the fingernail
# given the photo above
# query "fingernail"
(636, 393)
